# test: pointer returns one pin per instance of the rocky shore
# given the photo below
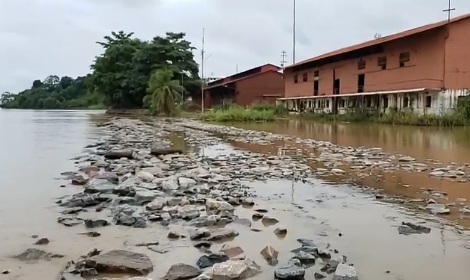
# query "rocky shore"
(135, 179)
(203, 200)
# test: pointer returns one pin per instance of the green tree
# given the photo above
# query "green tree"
(165, 91)
(122, 72)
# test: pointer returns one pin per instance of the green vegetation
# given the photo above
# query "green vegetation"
(231, 113)
(165, 92)
(120, 78)
(459, 118)
(54, 93)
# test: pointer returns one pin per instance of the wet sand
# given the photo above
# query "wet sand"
(369, 238)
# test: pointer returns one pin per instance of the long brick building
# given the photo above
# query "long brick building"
(424, 70)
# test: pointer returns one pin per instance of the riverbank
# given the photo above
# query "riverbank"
(240, 187)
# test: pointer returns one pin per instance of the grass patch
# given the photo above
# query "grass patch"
(255, 113)
(394, 117)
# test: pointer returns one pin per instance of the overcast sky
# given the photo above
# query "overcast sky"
(43, 37)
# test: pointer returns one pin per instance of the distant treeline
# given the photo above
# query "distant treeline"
(120, 76)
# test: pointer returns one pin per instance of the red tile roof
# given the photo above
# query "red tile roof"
(381, 40)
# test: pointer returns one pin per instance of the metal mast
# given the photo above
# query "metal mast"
(293, 37)
(202, 71)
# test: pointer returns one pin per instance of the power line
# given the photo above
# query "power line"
(449, 10)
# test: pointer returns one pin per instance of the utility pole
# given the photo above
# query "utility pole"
(293, 37)
(283, 59)
(449, 10)
(202, 72)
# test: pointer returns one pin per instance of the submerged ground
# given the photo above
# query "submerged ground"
(316, 188)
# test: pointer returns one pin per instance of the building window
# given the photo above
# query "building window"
(316, 87)
(296, 78)
(305, 77)
(405, 102)
(361, 64)
(428, 101)
(404, 57)
(382, 62)
(316, 73)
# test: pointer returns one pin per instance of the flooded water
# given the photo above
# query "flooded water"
(36, 146)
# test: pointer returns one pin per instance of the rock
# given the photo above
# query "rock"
(280, 231)
(209, 260)
(189, 212)
(409, 228)
(118, 154)
(198, 233)
(319, 275)
(240, 269)
(79, 180)
(6, 272)
(257, 217)
(145, 196)
(97, 185)
(200, 244)
(145, 176)
(95, 223)
(69, 221)
(221, 234)
(173, 234)
(36, 254)
(181, 272)
(244, 222)
(406, 159)
(338, 171)
(292, 271)
(121, 262)
(157, 204)
(42, 241)
(306, 242)
(261, 210)
(216, 207)
(170, 185)
(270, 255)
(162, 152)
(186, 182)
(91, 234)
(345, 272)
(438, 208)
(267, 221)
(305, 258)
(232, 251)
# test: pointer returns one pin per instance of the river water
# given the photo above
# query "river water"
(36, 146)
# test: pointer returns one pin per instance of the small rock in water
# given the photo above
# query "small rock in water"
(409, 228)
(210, 260)
(121, 262)
(280, 231)
(292, 271)
(231, 251)
(345, 272)
(232, 270)
(36, 254)
(95, 223)
(42, 241)
(6, 272)
(182, 271)
(266, 220)
(438, 208)
(270, 255)
(91, 234)
(319, 275)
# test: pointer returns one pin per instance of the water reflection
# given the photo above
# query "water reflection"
(444, 144)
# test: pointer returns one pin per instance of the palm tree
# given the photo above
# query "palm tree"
(164, 91)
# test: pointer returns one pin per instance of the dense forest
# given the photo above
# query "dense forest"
(124, 76)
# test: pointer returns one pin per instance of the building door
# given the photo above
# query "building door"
(361, 78)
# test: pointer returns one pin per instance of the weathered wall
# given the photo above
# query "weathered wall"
(425, 69)
(251, 90)
(458, 56)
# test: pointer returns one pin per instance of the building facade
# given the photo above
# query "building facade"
(424, 70)
(263, 84)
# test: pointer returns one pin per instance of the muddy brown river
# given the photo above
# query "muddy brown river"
(36, 146)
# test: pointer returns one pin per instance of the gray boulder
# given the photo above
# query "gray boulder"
(120, 262)
(345, 272)
(182, 271)
(292, 271)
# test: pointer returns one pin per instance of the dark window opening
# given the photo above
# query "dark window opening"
(385, 101)
(336, 86)
(428, 101)
(316, 73)
(405, 102)
(404, 57)
(382, 62)
(368, 101)
(316, 86)
(304, 77)
(296, 78)
(343, 103)
(361, 64)
(327, 103)
(360, 82)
